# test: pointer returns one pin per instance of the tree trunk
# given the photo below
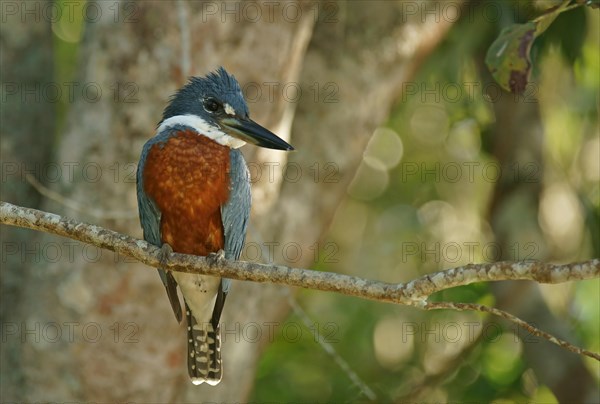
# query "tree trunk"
(26, 44)
(346, 59)
(514, 211)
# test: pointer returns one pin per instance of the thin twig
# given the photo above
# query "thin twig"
(76, 206)
(308, 322)
(514, 319)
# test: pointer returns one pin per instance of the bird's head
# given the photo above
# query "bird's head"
(215, 106)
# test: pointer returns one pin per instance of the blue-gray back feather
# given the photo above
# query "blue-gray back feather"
(150, 218)
(234, 215)
(236, 211)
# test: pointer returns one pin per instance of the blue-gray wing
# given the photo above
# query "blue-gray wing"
(234, 215)
(150, 220)
(236, 211)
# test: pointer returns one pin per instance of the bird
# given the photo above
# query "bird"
(193, 191)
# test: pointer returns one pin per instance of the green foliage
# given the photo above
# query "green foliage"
(509, 56)
(402, 199)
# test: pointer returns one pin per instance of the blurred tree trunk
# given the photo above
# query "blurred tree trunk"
(25, 45)
(518, 144)
(350, 62)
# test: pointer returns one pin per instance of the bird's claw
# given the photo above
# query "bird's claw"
(215, 258)
(163, 255)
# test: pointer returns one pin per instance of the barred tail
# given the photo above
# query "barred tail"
(204, 351)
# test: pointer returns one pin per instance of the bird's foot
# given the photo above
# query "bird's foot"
(163, 255)
(215, 258)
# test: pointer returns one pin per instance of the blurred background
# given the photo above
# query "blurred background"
(410, 158)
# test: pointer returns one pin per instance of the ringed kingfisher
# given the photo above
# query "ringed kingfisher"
(193, 193)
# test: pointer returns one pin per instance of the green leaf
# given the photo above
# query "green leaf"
(509, 59)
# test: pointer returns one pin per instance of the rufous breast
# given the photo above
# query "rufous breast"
(187, 176)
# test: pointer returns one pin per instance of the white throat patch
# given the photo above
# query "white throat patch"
(203, 128)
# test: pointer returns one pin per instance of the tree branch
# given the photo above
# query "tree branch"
(414, 293)
(514, 319)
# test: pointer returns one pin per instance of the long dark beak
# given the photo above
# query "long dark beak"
(251, 132)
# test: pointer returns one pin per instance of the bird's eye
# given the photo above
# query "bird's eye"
(211, 105)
